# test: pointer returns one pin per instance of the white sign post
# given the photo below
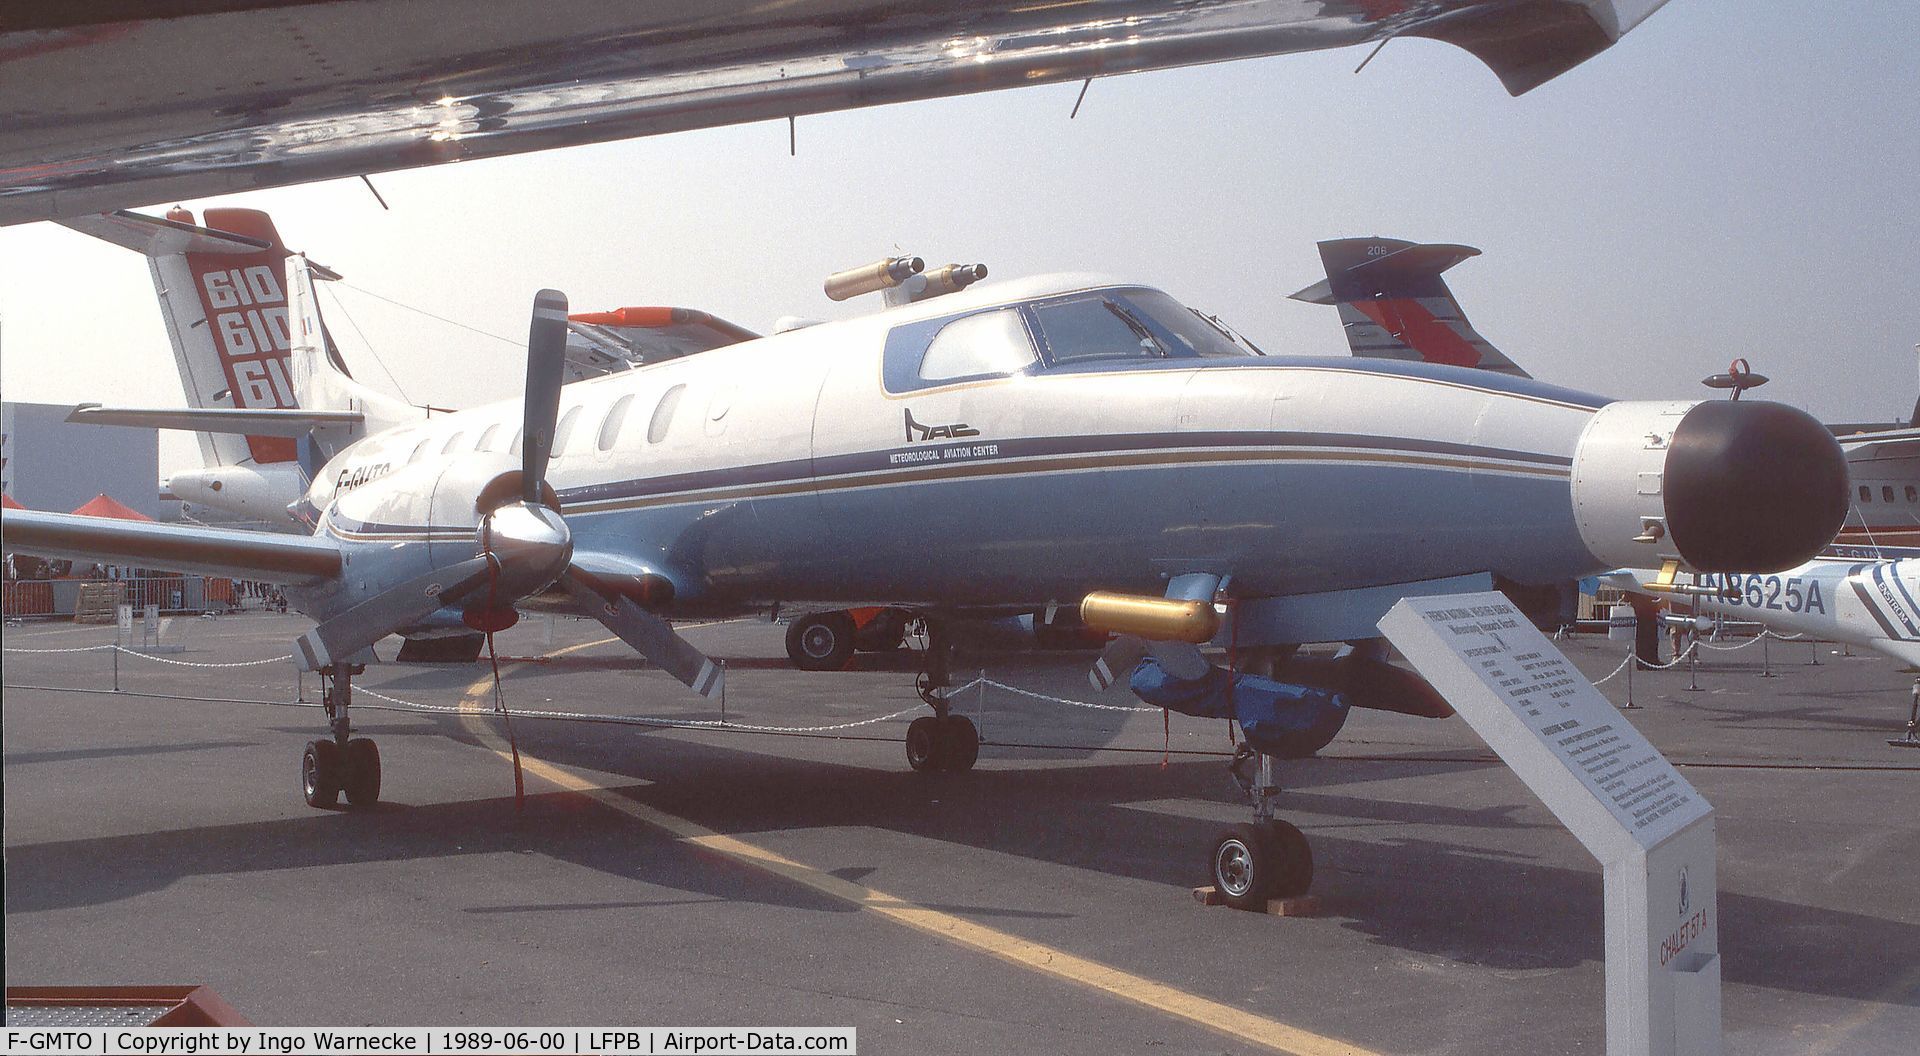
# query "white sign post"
(1651, 831)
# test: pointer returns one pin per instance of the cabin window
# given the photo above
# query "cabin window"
(486, 438)
(419, 450)
(1886, 493)
(985, 345)
(1093, 328)
(451, 440)
(616, 417)
(1913, 493)
(1866, 493)
(564, 431)
(663, 414)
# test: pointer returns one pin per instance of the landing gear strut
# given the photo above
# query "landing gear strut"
(1908, 739)
(1266, 858)
(342, 763)
(941, 741)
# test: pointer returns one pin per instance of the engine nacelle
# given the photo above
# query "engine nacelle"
(1720, 486)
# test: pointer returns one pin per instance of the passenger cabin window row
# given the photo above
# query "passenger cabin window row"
(1912, 493)
(612, 424)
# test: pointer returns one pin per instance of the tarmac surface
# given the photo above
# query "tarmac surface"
(702, 877)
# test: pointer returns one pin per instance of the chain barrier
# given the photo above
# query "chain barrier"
(1615, 671)
(1050, 699)
(281, 659)
(637, 720)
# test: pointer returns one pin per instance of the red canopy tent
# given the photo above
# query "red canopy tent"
(104, 505)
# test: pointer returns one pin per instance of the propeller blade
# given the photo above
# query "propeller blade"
(649, 635)
(386, 612)
(546, 372)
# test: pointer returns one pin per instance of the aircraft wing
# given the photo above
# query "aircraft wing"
(213, 551)
(1884, 444)
(251, 422)
(604, 342)
(212, 96)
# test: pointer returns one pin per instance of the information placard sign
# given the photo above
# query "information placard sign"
(1649, 827)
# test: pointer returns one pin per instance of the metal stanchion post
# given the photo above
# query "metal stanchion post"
(1815, 662)
(980, 705)
(723, 690)
(1633, 661)
(116, 668)
(1693, 664)
(1766, 658)
(1909, 739)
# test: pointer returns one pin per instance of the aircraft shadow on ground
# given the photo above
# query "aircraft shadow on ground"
(1504, 911)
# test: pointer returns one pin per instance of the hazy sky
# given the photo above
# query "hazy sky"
(1732, 179)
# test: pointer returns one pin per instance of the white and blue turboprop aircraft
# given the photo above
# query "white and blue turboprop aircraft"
(1000, 449)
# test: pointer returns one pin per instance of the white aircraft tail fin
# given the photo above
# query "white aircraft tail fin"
(222, 296)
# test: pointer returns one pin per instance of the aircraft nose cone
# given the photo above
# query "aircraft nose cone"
(1753, 486)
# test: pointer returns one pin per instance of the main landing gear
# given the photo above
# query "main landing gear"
(342, 763)
(942, 741)
(1267, 858)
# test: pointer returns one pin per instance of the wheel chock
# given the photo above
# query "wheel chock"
(1297, 906)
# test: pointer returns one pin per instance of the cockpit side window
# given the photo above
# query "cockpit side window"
(1186, 330)
(1094, 327)
(976, 345)
(990, 344)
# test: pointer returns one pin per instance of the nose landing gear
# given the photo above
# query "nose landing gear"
(342, 763)
(942, 741)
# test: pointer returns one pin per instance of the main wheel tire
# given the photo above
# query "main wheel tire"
(957, 745)
(822, 641)
(923, 743)
(1243, 866)
(1293, 858)
(363, 772)
(320, 774)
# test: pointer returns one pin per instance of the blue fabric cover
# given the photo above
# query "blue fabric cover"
(1266, 710)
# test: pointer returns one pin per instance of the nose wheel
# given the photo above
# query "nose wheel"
(341, 763)
(941, 741)
(947, 743)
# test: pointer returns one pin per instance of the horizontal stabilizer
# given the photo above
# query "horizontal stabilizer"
(157, 236)
(250, 422)
(1394, 304)
(176, 548)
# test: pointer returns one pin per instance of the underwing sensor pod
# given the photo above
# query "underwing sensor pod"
(1722, 486)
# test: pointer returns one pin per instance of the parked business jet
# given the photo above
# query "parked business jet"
(1001, 449)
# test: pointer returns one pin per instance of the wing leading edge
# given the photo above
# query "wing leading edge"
(584, 72)
(212, 551)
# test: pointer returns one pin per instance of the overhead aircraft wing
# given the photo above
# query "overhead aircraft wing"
(1885, 444)
(250, 422)
(212, 551)
(605, 342)
(205, 100)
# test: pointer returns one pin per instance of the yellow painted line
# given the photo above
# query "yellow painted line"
(1237, 1023)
